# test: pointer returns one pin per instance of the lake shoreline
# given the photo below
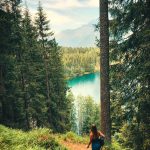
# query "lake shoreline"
(86, 73)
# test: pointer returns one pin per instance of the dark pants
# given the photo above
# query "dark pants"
(96, 144)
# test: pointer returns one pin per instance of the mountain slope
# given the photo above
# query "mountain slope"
(83, 36)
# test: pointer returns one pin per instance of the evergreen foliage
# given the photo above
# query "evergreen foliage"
(37, 139)
(32, 84)
(73, 114)
(130, 89)
(87, 114)
(129, 74)
(79, 61)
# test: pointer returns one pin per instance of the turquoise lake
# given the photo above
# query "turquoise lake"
(86, 85)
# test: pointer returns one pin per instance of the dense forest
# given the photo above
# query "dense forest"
(32, 84)
(33, 87)
(84, 112)
(130, 76)
(34, 95)
(80, 61)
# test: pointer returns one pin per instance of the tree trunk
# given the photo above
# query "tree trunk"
(26, 105)
(2, 89)
(47, 82)
(22, 81)
(104, 70)
(48, 92)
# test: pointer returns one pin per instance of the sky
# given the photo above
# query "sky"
(66, 14)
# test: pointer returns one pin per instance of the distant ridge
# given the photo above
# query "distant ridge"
(83, 36)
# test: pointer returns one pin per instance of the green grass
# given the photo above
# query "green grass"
(72, 137)
(37, 139)
(43, 139)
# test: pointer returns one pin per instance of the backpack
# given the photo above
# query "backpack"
(97, 143)
(101, 140)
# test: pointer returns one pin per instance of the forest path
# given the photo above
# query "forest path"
(75, 146)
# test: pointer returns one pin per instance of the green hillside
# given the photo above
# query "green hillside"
(37, 139)
(80, 61)
(45, 139)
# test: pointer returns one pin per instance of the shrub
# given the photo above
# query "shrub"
(37, 139)
(73, 137)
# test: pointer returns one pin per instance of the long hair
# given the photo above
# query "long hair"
(94, 130)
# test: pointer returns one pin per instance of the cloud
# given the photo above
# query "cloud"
(64, 4)
(66, 14)
(83, 1)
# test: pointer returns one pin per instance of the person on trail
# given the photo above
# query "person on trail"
(96, 138)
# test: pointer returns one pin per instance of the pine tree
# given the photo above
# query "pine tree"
(73, 113)
(43, 34)
(14, 115)
(5, 30)
(32, 83)
(59, 88)
(58, 117)
(104, 70)
(130, 92)
(87, 114)
(34, 104)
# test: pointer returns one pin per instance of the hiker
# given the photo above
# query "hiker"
(96, 138)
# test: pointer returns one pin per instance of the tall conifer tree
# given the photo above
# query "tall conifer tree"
(130, 91)
(42, 25)
(104, 70)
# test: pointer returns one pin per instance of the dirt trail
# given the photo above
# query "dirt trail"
(75, 146)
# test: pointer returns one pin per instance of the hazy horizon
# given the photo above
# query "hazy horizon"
(66, 14)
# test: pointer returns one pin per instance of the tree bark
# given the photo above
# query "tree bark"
(2, 89)
(26, 105)
(47, 82)
(104, 70)
(46, 71)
